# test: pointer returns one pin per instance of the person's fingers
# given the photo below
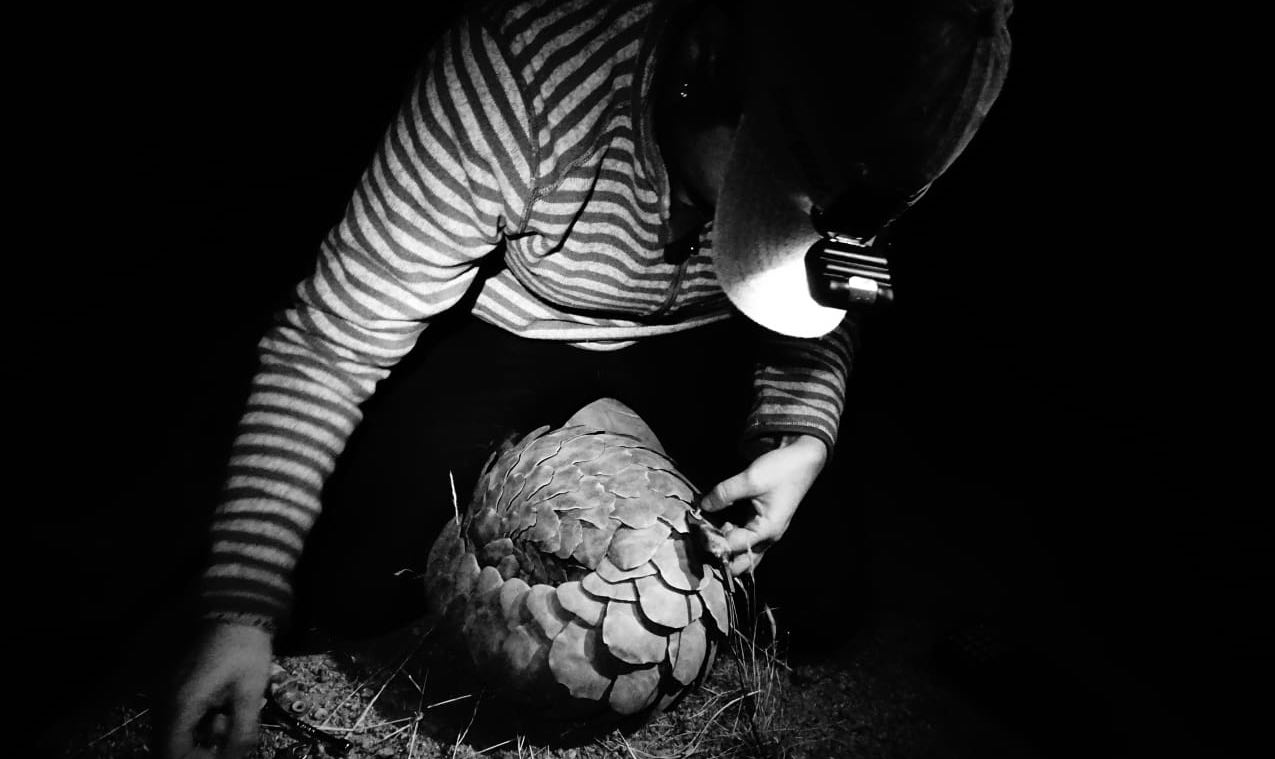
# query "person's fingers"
(744, 538)
(746, 563)
(218, 730)
(726, 492)
(748, 543)
(180, 742)
(243, 728)
(210, 732)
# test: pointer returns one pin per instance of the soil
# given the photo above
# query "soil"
(923, 636)
(911, 673)
(876, 702)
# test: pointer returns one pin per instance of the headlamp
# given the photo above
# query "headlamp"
(848, 266)
(847, 272)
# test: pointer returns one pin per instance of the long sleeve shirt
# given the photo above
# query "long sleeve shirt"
(528, 125)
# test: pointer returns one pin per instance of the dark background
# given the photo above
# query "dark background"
(1052, 394)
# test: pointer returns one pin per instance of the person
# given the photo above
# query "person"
(581, 198)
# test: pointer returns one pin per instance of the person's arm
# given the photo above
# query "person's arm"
(799, 387)
(800, 384)
(452, 175)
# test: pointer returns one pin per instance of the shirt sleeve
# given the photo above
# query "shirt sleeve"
(800, 384)
(451, 175)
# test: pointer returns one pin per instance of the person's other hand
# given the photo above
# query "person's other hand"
(773, 484)
(215, 707)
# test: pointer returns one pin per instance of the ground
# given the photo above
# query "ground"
(924, 620)
(877, 702)
(932, 626)
(909, 673)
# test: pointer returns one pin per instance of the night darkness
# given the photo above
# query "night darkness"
(1045, 401)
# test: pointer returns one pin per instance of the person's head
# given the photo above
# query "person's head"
(699, 88)
(796, 117)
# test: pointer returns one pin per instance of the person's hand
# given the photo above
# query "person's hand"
(219, 695)
(773, 485)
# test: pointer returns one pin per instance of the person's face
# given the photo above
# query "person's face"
(697, 164)
(697, 109)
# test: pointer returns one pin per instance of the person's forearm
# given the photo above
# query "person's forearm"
(800, 385)
(302, 407)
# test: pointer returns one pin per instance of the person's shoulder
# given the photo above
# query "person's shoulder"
(556, 31)
(575, 63)
(521, 15)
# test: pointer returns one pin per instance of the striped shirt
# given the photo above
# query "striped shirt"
(528, 125)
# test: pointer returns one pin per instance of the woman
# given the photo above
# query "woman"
(592, 192)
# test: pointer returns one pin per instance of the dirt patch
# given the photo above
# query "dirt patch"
(397, 697)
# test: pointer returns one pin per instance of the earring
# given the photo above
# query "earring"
(684, 90)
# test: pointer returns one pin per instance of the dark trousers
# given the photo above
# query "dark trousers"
(464, 389)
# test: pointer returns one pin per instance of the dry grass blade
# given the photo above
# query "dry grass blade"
(117, 728)
(450, 701)
(648, 755)
(699, 736)
(505, 742)
(390, 736)
(402, 663)
(473, 715)
(627, 747)
(420, 712)
(386, 723)
(348, 697)
(363, 715)
(451, 480)
(420, 687)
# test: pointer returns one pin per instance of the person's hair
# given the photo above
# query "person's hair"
(701, 77)
(913, 65)
(878, 94)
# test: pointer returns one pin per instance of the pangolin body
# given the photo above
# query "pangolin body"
(573, 577)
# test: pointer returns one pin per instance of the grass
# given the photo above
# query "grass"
(388, 699)
(738, 712)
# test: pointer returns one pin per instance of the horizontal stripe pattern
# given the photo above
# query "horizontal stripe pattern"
(800, 385)
(453, 172)
(523, 127)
